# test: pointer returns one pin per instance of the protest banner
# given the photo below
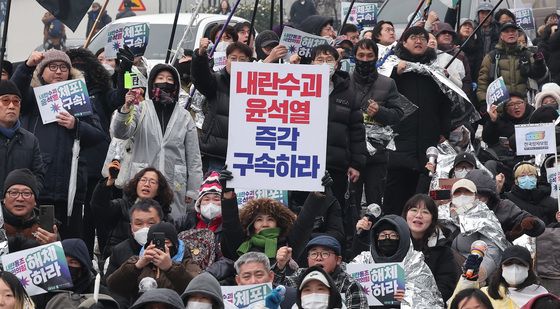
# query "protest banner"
(279, 117)
(243, 196)
(245, 296)
(379, 281)
(534, 139)
(135, 36)
(497, 93)
(220, 59)
(524, 18)
(553, 179)
(40, 269)
(365, 13)
(70, 96)
(299, 43)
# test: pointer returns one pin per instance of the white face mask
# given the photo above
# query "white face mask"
(315, 301)
(141, 236)
(461, 173)
(198, 305)
(210, 211)
(515, 274)
(462, 203)
(109, 69)
(332, 68)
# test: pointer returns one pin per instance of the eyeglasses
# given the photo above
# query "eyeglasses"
(152, 182)
(420, 38)
(324, 254)
(515, 104)
(388, 236)
(330, 60)
(53, 67)
(15, 194)
(7, 100)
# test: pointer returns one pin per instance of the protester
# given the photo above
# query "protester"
(54, 33)
(242, 29)
(267, 47)
(456, 70)
(317, 290)
(446, 41)
(224, 9)
(351, 32)
(391, 243)
(164, 136)
(553, 43)
(202, 291)
(160, 298)
(549, 95)
(300, 10)
(7, 69)
(12, 293)
(92, 15)
(489, 33)
(19, 148)
(319, 25)
(471, 299)
(503, 16)
(127, 12)
(80, 266)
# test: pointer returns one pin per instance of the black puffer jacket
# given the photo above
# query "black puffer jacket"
(346, 145)
(215, 87)
(504, 126)
(423, 128)
(537, 202)
(554, 60)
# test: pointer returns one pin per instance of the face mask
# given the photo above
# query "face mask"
(462, 203)
(315, 301)
(167, 87)
(198, 305)
(365, 68)
(462, 173)
(527, 182)
(515, 274)
(141, 236)
(163, 93)
(210, 211)
(109, 69)
(184, 69)
(75, 273)
(332, 68)
(388, 247)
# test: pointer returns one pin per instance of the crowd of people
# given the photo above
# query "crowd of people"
(152, 163)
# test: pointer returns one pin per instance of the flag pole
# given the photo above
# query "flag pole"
(92, 31)
(271, 14)
(170, 46)
(459, 4)
(252, 27)
(281, 14)
(5, 33)
(219, 37)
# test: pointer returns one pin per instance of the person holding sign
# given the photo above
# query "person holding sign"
(391, 243)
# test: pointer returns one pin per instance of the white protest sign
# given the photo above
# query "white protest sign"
(524, 18)
(365, 13)
(220, 59)
(554, 179)
(379, 281)
(135, 36)
(497, 93)
(245, 296)
(533, 139)
(278, 119)
(70, 96)
(243, 196)
(40, 269)
(300, 43)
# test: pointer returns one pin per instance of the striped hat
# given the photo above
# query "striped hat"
(210, 185)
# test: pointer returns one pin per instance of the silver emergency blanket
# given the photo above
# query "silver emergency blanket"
(421, 290)
(197, 107)
(478, 218)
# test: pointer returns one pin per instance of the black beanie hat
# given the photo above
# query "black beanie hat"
(9, 87)
(168, 229)
(22, 176)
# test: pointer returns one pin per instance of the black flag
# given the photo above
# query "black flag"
(69, 12)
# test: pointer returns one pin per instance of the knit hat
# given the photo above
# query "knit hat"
(210, 185)
(548, 90)
(324, 241)
(9, 87)
(50, 56)
(22, 176)
(446, 28)
(517, 253)
(484, 6)
(163, 227)
(464, 183)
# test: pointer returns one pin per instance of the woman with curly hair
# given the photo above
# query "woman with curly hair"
(112, 213)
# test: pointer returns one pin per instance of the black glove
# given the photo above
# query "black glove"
(126, 58)
(327, 180)
(538, 56)
(471, 267)
(225, 176)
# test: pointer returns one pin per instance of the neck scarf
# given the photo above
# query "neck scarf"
(10, 132)
(267, 239)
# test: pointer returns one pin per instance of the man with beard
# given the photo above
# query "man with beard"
(423, 128)
(379, 100)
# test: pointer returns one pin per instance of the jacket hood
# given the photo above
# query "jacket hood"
(37, 80)
(285, 218)
(77, 249)
(530, 303)
(314, 23)
(426, 58)
(543, 94)
(207, 285)
(335, 300)
(160, 295)
(164, 67)
(404, 239)
(484, 182)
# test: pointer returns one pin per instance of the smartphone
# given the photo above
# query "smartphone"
(438, 195)
(46, 217)
(159, 240)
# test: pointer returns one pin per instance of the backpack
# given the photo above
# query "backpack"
(71, 300)
(202, 246)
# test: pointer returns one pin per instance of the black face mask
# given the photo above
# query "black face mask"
(184, 69)
(75, 273)
(164, 93)
(388, 247)
(365, 68)
(167, 87)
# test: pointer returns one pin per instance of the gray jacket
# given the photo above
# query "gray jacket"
(164, 296)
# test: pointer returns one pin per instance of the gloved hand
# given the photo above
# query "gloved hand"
(225, 176)
(471, 267)
(538, 56)
(275, 297)
(327, 180)
(126, 58)
(528, 223)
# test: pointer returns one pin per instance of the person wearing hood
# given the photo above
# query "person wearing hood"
(19, 214)
(203, 292)
(160, 298)
(422, 129)
(215, 87)
(391, 243)
(56, 140)
(513, 284)
(183, 66)
(530, 196)
(470, 220)
(549, 95)
(164, 134)
(381, 106)
(172, 268)
(267, 48)
(7, 70)
(300, 10)
(446, 42)
(543, 301)
(318, 290)
(511, 61)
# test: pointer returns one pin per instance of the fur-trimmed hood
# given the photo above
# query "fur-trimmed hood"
(37, 81)
(285, 218)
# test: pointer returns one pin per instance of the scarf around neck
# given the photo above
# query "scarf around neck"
(266, 239)
(10, 132)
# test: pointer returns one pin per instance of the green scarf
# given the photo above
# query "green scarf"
(267, 239)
